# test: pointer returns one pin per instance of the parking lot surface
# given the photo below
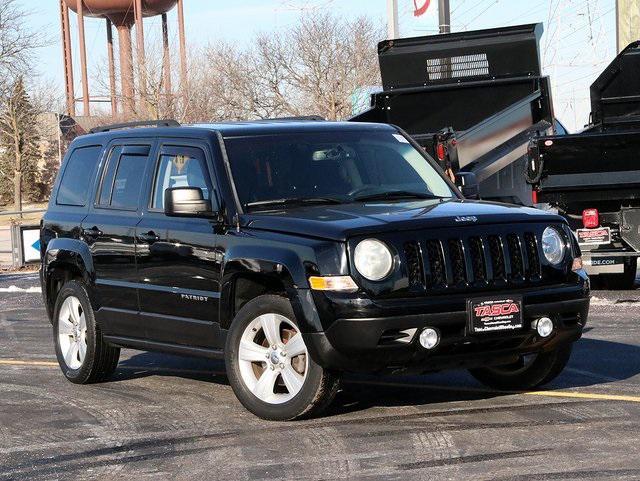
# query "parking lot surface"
(168, 417)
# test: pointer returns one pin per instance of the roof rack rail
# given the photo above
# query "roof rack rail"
(296, 117)
(140, 123)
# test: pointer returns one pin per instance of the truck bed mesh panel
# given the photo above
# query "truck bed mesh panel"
(458, 66)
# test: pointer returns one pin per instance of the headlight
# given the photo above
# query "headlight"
(373, 260)
(553, 246)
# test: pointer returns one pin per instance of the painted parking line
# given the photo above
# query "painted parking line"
(18, 362)
(556, 394)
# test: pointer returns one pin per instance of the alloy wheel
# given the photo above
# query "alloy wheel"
(273, 358)
(72, 332)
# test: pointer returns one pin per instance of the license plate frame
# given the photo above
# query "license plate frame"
(594, 237)
(496, 314)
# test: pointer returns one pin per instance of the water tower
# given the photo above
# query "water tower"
(123, 14)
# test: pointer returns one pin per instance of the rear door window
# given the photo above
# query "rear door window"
(77, 176)
(122, 179)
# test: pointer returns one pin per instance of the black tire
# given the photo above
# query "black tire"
(101, 359)
(320, 385)
(624, 281)
(543, 369)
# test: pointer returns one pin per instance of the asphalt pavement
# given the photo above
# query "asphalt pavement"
(169, 417)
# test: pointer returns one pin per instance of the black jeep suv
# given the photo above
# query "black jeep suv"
(298, 250)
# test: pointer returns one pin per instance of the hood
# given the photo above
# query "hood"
(340, 222)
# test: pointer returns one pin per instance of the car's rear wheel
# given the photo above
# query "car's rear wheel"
(268, 364)
(83, 355)
(527, 373)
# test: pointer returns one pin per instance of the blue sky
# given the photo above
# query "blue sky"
(579, 39)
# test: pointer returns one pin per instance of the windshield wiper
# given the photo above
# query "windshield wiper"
(397, 194)
(295, 201)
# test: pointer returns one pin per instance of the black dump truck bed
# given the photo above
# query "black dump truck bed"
(599, 164)
(480, 94)
(593, 177)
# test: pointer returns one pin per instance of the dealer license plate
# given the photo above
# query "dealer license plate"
(495, 314)
(601, 235)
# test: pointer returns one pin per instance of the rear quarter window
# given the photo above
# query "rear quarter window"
(77, 176)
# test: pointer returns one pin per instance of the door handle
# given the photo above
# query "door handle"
(93, 232)
(149, 237)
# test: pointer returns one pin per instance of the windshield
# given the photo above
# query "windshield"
(331, 167)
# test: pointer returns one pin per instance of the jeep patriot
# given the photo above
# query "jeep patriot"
(298, 250)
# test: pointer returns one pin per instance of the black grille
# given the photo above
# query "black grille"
(414, 264)
(476, 261)
(497, 258)
(456, 255)
(438, 275)
(515, 257)
(531, 246)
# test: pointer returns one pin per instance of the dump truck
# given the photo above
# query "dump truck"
(592, 177)
(473, 100)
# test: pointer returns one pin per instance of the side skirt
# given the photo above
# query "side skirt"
(144, 345)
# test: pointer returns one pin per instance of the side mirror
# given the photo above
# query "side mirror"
(186, 202)
(468, 185)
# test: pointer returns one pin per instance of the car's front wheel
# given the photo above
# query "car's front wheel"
(83, 355)
(527, 373)
(268, 364)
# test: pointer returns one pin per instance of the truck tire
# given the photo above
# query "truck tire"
(82, 353)
(522, 375)
(624, 281)
(268, 365)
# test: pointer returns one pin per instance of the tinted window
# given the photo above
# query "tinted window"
(341, 164)
(185, 169)
(107, 180)
(127, 181)
(76, 180)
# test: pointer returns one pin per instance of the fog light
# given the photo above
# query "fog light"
(544, 326)
(429, 338)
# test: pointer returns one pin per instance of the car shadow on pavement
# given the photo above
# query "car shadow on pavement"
(594, 362)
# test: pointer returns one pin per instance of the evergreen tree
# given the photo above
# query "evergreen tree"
(19, 151)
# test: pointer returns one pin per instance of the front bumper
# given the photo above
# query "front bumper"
(363, 335)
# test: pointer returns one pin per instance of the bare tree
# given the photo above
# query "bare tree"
(312, 68)
(17, 42)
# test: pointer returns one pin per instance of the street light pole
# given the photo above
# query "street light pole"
(444, 16)
(392, 19)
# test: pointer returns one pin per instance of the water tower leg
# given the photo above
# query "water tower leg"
(68, 61)
(166, 62)
(126, 67)
(112, 72)
(183, 47)
(142, 77)
(83, 59)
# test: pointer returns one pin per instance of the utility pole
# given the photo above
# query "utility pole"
(627, 23)
(444, 16)
(392, 19)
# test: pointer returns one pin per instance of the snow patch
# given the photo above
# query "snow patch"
(12, 288)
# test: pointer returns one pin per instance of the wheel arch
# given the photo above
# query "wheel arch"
(250, 272)
(65, 259)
